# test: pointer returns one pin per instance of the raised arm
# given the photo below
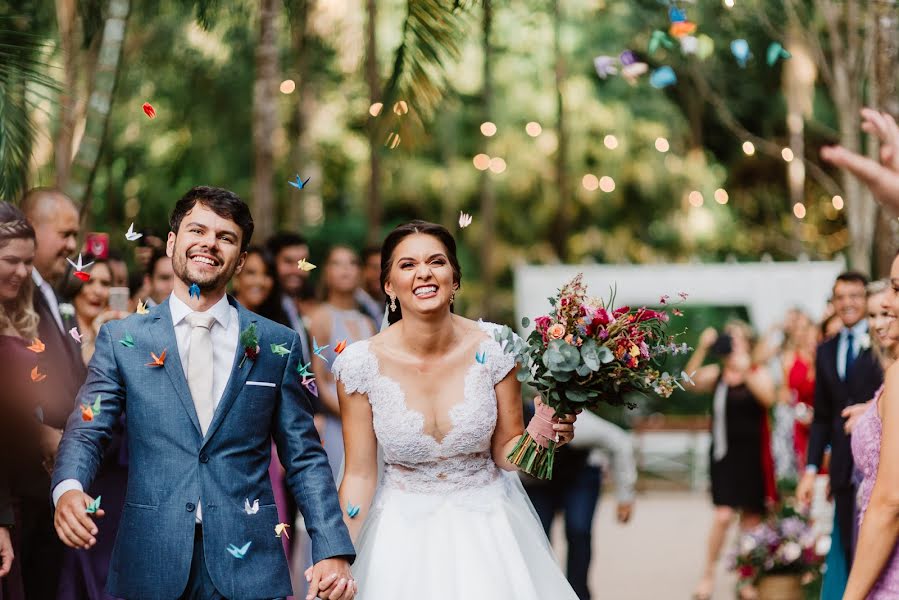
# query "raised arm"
(704, 377)
(880, 527)
(360, 476)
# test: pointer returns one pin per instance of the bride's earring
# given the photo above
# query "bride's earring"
(393, 304)
(452, 297)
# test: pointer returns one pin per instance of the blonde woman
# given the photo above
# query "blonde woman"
(19, 398)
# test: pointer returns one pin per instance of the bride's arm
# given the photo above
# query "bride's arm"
(360, 476)
(509, 420)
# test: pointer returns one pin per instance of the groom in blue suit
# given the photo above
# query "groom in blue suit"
(206, 385)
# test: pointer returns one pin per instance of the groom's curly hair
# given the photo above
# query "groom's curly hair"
(401, 232)
(222, 202)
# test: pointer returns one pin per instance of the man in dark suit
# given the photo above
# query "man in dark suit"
(205, 396)
(846, 373)
(55, 219)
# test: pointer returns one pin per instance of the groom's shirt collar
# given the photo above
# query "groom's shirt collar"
(221, 310)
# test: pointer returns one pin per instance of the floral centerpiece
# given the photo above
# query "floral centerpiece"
(785, 544)
(586, 352)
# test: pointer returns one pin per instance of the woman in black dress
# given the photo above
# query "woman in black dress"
(740, 467)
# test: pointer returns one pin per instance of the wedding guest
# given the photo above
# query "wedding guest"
(337, 320)
(846, 373)
(19, 396)
(875, 448)
(55, 219)
(160, 278)
(742, 471)
(256, 288)
(575, 489)
(91, 302)
(369, 295)
(289, 249)
(799, 374)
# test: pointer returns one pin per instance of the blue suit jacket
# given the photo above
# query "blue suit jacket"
(172, 464)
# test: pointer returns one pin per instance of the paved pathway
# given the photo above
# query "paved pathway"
(658, 555)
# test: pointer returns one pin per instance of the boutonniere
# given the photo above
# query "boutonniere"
(249, 341)
(864, 341)
(66, 310)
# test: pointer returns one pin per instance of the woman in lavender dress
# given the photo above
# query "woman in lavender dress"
(875, 448)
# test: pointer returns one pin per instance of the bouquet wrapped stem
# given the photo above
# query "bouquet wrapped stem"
(536, 449)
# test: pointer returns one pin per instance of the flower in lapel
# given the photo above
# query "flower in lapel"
(66, 310)
(249, 341)
(864, 341)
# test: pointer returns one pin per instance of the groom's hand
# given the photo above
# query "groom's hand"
(331, 579)
(74, 525)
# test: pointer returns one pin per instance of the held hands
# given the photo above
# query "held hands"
(624, 512)
(806, 489)
(562, 426)
(331, 579)
(74, 525)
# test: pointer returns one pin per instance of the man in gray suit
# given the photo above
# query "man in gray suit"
(206, 385)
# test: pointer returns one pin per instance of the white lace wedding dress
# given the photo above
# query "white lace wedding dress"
(446, 523)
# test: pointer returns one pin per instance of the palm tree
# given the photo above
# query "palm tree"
(21, 70)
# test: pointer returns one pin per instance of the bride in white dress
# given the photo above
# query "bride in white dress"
(445, 517)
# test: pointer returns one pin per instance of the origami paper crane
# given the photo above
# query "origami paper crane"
(37, 376)
(239, 552)
(281, 528)
(194, 290)
(94, 506)
(304, 265)
(340, 347)
(37, 346)
(131, 236)
(280, 350)
(481, 357)
(141, 308)
(80, 268)
(352, 510)
(299, 183)
(158, 361)
(464, 220)
(127, 341)
(88, 411)
(149, 110)
(251, 509)
(76, 335)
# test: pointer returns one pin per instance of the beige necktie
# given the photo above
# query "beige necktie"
(199, 366)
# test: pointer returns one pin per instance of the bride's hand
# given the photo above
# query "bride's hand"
(563, 426)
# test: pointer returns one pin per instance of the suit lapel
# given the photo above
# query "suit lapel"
(163, 332)
(239, 372)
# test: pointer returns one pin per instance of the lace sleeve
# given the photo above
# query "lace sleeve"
(499, 361)
(354, 368)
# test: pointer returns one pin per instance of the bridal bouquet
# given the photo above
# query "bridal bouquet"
(583, 353)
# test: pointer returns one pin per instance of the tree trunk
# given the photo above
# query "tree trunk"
(375, 209)
(265, 119)
(488, 199)
(65, 18)
(308, 207)
(84, 165)
(559, 236)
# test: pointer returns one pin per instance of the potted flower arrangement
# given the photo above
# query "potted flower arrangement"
(780, 556)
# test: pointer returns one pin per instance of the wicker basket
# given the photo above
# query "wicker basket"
(780, 587)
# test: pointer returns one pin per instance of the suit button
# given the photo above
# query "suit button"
(190, 507)
(204, 458)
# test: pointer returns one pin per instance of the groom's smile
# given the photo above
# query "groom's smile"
(206, 249)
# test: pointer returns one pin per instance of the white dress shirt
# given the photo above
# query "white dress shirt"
(49, 295)
(859, 330)
(225, 332)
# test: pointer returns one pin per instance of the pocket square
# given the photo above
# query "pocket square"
(261, 383)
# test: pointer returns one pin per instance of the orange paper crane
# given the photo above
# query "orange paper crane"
(37, 346)
(37, 376)
(340, 347)
(158, 361)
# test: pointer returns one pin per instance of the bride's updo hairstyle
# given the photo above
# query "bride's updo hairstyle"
(393, 240)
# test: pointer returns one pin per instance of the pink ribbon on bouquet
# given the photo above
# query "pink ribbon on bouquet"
(541, 426)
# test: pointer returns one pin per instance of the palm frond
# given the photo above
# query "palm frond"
(433, 31)
(22, 72)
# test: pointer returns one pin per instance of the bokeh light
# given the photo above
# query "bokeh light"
(787, 154)
(695, 198)
(488, 128)
(662, 144)
(401, 107)
(837, 202)
(375, 109)
(533, 128)
(497, 165)
(610, 142)
(799, 210)
(721, 196)
(607, 184)
(748, 148)
(288, 86)
(590, 182)
(481, 162)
